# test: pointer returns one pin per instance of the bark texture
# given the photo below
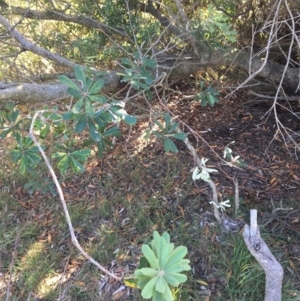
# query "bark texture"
(261, 252)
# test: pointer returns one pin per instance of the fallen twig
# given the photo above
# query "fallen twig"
(62, 199)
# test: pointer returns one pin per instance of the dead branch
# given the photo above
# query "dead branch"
(25, 44)
(259, 249)
(63, 202)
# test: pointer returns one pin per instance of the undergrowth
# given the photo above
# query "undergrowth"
(114, 211)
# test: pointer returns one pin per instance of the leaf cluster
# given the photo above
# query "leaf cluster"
(138, 71)
(208, 95)
(165, 266)
(168, 132)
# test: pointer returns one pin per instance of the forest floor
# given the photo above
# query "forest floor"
(118, 202)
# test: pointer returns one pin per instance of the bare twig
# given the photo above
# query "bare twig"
(63, 202)
(237, 196)
(211, 182)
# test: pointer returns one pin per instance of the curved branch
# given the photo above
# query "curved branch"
(61, 16)
(28, 45)
(164, 21)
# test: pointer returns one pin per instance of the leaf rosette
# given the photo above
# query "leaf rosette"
(166, 264)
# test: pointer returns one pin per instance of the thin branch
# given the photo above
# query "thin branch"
(63, 202)
(28, 45)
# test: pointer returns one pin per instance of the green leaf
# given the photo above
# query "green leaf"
(167, 296)
(161, 284)
(4, 133)
(58, 155)
(89, 109)
(143, 263)
(80, 75)
(149, 272)
(78, 105)
(65, 80)
(148, 253)
(131, 282)
(126, 62)
(151, 63)
(81, 124)
(81, 154)
(101, 148)
(166, 237)
(178, 254)
(95, 135)
(173, 127)
(148, 289)
(32, 157)
(16, 155)
(167, 121)
(175, 278)
(63, 164)
(97, 86)
(159, 125)
(170, 146)
(157, 296)
(180, 136)
(112, 132)
(24, 164)
(67, 115)
(75, 93)
(75, 165)
(130, 120)
(14, 115)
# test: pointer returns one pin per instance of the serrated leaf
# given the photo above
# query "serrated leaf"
(81, 154)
